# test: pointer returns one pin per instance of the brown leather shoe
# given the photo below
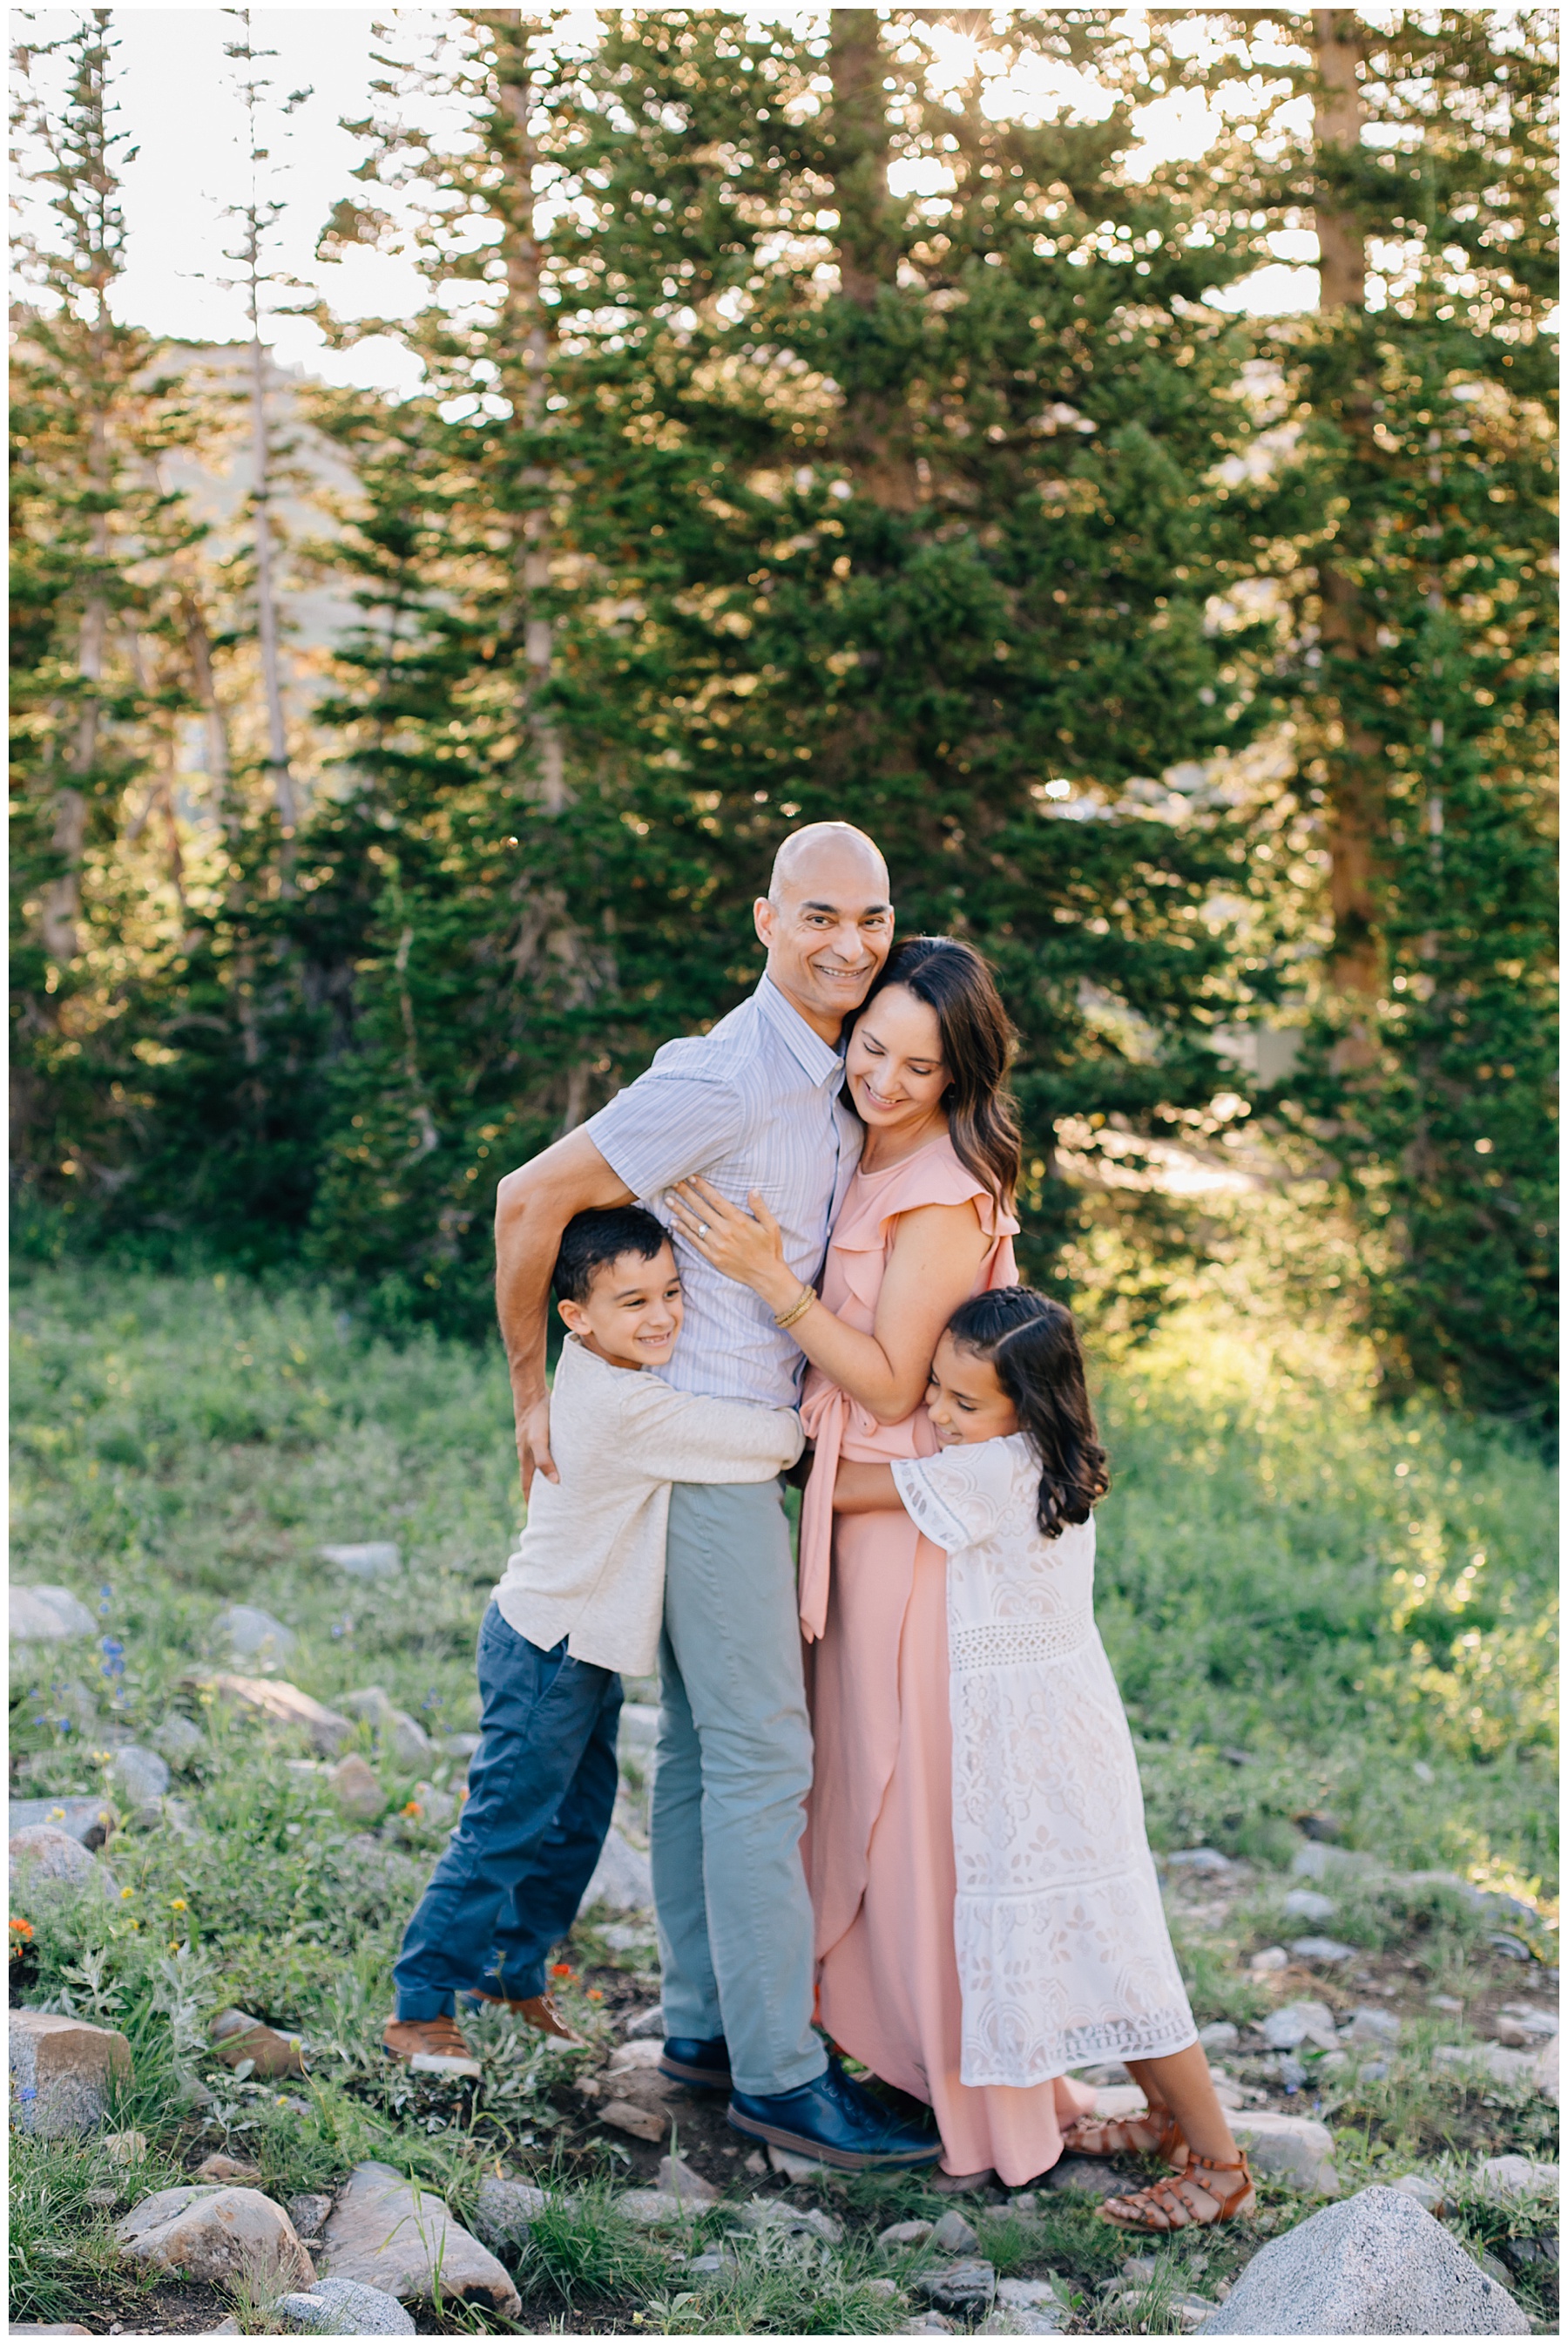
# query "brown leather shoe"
(538, 2011)
(428, 2038)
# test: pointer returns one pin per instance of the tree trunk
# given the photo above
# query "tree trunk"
(1353, 798)
(873, 435)
(60, 923)
(278, 769)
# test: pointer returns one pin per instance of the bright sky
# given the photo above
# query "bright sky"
(178, 105)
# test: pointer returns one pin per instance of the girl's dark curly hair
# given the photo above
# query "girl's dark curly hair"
(1032, 1344)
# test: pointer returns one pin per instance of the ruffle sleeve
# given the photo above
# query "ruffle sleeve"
(959, 1496)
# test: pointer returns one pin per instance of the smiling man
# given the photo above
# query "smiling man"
(754, 1105)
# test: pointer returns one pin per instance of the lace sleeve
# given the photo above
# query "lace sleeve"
(958, 1497)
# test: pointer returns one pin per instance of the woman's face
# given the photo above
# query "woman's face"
(894, 1063)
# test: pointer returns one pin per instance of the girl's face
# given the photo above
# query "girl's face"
(894, 1061)
(964, 1399)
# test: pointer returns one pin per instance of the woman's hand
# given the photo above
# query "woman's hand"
(746, 1247)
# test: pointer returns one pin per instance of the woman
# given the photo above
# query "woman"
(927, 1223)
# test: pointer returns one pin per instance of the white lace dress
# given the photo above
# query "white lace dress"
(1063, 1950)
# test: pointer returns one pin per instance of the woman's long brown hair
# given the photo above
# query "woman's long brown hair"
(978, 1041)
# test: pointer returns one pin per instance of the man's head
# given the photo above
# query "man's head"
(827, 921)
(617, 1285)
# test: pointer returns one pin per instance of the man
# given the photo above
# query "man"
(754, 1105)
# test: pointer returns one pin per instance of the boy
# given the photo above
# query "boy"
(581, 1598)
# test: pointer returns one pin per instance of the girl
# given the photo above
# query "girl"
(1063, 1955)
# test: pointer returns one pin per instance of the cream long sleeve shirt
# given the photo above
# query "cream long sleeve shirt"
(589, 1564)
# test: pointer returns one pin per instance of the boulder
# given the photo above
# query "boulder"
(252, 1636)
(236, 2037)
(342, 2307)
(1372, 2027)
(43, 1852)
(48, 1615)
(371, 1559)
(87, 1821)
(1327, 1951)
(1376, 2264)
(355, 1788)
(284, 1705)
(682, 2181)
(63, 2072)
(1504, 2178)
(653, 2210)
(1288, 2148)
(140, 1778)
(622, 1879)
(504, 2211)
(218, 2235)
(1301, 2021)
(386, 2234)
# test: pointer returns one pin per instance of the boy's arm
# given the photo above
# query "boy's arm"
(865, 1489)
(679, 1436)
(533, 1205)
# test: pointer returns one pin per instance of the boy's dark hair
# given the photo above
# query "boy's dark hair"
(1032, 1344)
(590, 1241)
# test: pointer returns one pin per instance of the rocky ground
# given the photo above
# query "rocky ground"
(242, 1713)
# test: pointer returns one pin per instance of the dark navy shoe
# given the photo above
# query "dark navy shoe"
(834, 2120)
(704, 2065)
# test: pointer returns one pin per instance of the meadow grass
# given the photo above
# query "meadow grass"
(1311, 1604)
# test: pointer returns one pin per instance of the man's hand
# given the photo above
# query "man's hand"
(533, 1444)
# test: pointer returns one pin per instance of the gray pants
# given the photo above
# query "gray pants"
(733, 1769)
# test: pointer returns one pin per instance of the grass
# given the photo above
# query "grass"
(1313, 1605)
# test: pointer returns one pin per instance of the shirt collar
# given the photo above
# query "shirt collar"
(820, 1059)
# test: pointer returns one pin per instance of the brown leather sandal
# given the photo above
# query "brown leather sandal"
(1196, 2198)
(1154, 2134)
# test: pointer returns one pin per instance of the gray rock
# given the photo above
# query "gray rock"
(1375, 2071)
(88, 1821)
(1296, 2023)
(1379, 2027)
(458, 1745)
(504, 2211)
(48, 1615)
(652, 2209)
(1018, 2319)
(707, 2269)
(374, 1559)
(1026, 2294)
(1292, 2074)
(928, 2323)
(41, 1852)
(1308, 1904)
(1489, 2061)
(386, 2234)
(1271, 1957)
(310, 2213)
(955, 2236)
(646, 2024)
(773, 2215)
(1221, 2036)
(1086, 2173)
(1295, 2149)
(1504, 2178)
(1200, 1859)
(961, 2287)
(177, 1739)
(342, 2307)
(252, 1636)
(622, 1880)
(898, 2236)
(139, 1776)
(1327, 1951)
(284, 1705)
(1317, 1861)
(1421, 2188)
(63, 2072)
(683, 2181)
(1377, 2265)
(1533, 2024)
(355, 1788)
(217, 2235)
(406, 1739)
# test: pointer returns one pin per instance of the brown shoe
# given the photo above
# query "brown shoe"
(435, 2046)
(538, 2011)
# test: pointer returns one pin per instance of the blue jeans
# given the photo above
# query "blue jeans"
(541, 1791)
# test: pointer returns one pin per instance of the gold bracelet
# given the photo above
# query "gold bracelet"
(807, 1295)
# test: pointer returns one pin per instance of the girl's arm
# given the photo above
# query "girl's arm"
(865, 1489)
(937, 1252)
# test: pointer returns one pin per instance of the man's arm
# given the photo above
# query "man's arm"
(533, 1205)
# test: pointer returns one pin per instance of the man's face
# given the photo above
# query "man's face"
(827, 930)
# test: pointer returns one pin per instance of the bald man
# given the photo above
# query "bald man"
(754, 1104)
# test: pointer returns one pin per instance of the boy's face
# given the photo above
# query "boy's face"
(633, 1312)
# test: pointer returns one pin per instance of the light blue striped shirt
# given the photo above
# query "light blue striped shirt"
(754, 1104)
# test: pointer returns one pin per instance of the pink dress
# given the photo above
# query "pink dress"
(879, 1846)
